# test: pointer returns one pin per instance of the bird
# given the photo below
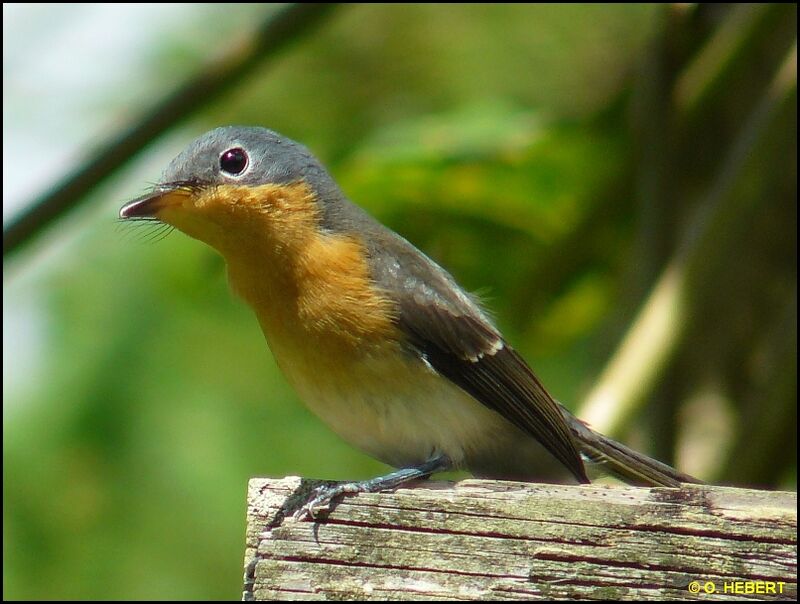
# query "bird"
(376, 338)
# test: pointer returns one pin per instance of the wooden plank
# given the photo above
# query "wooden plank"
(492, 540)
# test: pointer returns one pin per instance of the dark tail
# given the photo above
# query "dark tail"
(623, 462)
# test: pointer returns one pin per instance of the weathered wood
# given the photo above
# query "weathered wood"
(488, 540)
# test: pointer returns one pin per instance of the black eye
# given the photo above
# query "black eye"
(233, 161)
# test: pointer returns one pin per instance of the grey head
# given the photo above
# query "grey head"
(255, 156)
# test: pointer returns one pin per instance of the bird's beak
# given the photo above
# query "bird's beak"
(148, 206)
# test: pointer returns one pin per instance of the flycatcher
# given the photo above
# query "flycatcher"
(377, 339)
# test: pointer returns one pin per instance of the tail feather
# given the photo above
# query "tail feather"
(623, 462)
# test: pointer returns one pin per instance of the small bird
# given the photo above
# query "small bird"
(377, 339)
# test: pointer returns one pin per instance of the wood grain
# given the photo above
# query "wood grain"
(491, 540)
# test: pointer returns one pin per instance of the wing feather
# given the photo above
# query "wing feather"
(448, 329)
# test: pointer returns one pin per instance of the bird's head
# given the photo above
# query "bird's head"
(236, 187)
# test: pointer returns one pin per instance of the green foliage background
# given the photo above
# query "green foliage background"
(540, 153)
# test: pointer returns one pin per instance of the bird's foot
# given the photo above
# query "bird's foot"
(323, 495)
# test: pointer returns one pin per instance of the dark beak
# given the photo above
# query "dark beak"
(148, 206)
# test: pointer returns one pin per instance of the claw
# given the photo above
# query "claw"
(322, 497)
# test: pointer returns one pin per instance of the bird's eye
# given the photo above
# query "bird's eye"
(233, 161)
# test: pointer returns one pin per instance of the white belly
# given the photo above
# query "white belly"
(399, 412)
(403, 414)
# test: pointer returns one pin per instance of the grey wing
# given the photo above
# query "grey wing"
(448, 329)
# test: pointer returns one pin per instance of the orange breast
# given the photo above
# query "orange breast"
(311, 290)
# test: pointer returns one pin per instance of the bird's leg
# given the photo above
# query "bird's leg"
(323, 495)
